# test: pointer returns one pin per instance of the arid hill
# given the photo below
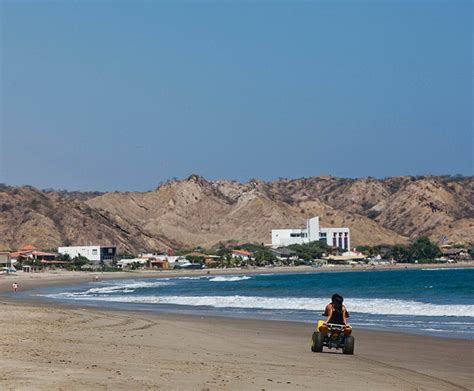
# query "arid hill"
(196, 211)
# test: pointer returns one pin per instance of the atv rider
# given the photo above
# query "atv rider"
(336, 311)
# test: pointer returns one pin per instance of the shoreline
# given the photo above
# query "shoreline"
(34, 281)
(62, 278)
(77, 347)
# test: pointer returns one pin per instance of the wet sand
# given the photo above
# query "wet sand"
(53, 347)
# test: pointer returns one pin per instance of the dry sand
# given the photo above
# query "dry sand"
(45, 347)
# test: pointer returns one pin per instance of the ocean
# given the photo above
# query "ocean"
(438, 302)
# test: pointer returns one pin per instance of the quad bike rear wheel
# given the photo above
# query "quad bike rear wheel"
(317, 345)
(348, 345)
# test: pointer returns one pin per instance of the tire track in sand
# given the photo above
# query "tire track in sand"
(413, 372)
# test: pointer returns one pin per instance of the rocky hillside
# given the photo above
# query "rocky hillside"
(50, 219)
(195, 211)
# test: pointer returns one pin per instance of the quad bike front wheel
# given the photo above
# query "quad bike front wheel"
(317, 342)
(348, 345)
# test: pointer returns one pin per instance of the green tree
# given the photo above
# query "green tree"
(372, 251)
(223, 251)
(264, 257)
(311, 250)
(471, 250)
(399, 253)
(78, 261)
(423, 249)
(63, 257)
(135, 265)
(252, 247)
(194, 259)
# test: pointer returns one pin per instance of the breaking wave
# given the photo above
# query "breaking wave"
(126, 287)
(229, 279)
(366, 306)
(444, 268)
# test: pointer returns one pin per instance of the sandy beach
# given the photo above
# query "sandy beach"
(46, 347)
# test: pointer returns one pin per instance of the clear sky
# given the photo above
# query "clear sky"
(120, 95)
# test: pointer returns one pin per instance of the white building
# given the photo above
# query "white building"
(124, 263)
(92, 253)
(335, 237)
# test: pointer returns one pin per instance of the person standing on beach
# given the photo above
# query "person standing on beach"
(15, 287)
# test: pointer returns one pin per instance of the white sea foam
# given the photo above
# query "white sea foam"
(445, 268)
(216, 279)
(230, 278)
(367, 306)
(122, 287)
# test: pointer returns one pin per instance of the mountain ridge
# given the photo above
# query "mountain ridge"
(196, 211)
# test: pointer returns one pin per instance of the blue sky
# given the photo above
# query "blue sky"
(109, 95)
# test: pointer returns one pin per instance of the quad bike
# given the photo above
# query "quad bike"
(332, 335)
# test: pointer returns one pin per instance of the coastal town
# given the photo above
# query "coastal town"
(313, 246)
(236, 195)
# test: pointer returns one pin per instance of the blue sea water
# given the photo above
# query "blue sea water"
(427, 301)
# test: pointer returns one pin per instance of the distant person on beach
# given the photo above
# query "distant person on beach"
(15, 287)
(336, 311)
(96, 278)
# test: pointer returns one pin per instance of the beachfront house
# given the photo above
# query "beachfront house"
(94, 254)
(29, 252)
(335, 237)
(171, 260)
(203, 258)
(159, 263)
(243, 255)
(348, 257)
(132, 263)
